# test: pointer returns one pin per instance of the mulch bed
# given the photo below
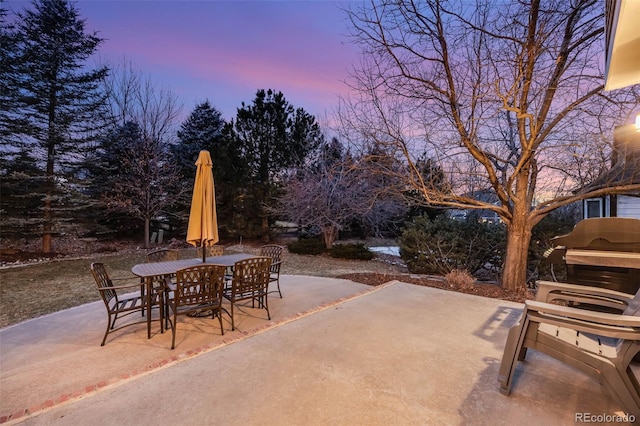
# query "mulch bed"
(478, 289)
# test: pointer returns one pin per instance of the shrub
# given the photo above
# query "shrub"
(556, 223)
(307, 246)
(442, 245)
(351, 251)
(460, 278)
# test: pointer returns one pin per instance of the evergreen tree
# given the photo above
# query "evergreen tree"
(274, 139)
(61, 101)
(9, 86)
(204, 130)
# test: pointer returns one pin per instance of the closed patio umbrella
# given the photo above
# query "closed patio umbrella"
(203, 222)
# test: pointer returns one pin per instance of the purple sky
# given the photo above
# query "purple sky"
(225, 51)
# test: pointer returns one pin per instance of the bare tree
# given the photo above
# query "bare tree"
(336, 189)
(506, 97)
(134, 98)
(139, 177)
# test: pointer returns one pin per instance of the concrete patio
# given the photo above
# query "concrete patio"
(335, 352)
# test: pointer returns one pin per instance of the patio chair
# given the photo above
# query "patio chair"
(119, 306)
(250, 282)
(600, 344)
(275, 253)
(198, 288)
(159, 255)
(214, 250)
(163, 255)
(583, 297)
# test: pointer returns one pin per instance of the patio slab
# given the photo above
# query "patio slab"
(341, 353)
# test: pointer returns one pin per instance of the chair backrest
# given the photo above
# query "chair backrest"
(199, 284)
(102, 280)
(273, 251)
(251, 275)
(214, 250)
(633, 308)
(163, 255)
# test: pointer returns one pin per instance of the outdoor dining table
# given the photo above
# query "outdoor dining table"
(162, 269)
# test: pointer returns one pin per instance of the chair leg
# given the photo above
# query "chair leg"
(620, 390)
(219, 313)
(277, 281)
(106, 333)
(233, 324)
(512, 350)
(142, 291)
(266, 305)
(173, 330)
(161, 310)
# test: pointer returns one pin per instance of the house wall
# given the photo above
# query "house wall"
(628, 206)
(625, 170)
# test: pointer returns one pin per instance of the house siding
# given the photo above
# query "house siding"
(628, 206)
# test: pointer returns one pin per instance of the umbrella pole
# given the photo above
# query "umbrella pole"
(204, 254)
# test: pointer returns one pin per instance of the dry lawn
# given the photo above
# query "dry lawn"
(33, 290)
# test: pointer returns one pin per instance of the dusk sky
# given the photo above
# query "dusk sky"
(224, 51)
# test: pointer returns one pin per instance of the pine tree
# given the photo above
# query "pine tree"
(9, 87)
(274, 139)
(203, 130)
(60, 100)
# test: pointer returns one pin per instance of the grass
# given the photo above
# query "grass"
(39, 289)
(33, 290)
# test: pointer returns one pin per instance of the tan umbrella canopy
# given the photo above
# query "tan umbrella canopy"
(203, 222)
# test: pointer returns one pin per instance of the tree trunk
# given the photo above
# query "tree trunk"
(147, 224)
(329, 235)
(265, 229)
(514, 271)
(46, 227)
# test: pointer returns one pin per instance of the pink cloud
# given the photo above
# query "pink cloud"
(295, 47)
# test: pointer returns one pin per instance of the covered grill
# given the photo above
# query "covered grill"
(601, 252)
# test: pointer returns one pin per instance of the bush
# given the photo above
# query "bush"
(442, 245)
(460, 278)
(307, 246)
(351, 251)
(556, 223)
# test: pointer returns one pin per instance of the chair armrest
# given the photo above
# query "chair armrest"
(551, 291)
(130, 278)
(120, 287)
(600, 323)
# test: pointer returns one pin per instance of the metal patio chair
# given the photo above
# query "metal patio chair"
(118, 305)
(159, 255)
(275, 253)
(250, 282)
(214, 250)
(197, 289)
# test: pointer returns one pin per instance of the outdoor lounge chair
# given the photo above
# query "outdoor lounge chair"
(275, 253)
(119, 306)
(600, 344)
(250, 282)
(198, 288)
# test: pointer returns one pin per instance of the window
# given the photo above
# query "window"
(593, 208)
